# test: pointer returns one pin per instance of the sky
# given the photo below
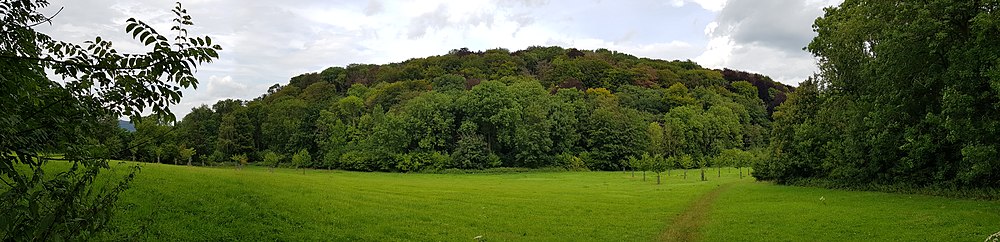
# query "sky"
(268, 42)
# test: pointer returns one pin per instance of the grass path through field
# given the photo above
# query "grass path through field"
(686, 225)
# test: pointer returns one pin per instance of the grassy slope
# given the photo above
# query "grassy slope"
(781, 213)
(191, 203)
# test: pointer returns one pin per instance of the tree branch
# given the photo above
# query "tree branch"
(74, 63)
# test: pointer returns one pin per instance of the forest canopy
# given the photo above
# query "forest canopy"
(533, 108)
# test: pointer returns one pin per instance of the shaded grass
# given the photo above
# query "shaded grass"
(193, 203)
(762, 211)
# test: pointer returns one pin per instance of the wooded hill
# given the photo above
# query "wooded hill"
(538, 107)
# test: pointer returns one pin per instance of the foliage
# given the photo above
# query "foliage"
(301, 159)
(186, 154)
(913, 100)
(271, 159)
(533, 108)
(98, 84)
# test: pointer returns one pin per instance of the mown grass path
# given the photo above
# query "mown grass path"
(686, 226)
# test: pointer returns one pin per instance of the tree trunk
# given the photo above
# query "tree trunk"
(720, 171)
(643, 175)
(703, 174)
(657, 178)
(189, 161)
(741, 171)
(685, 174)
(157, 159)
(633, 172)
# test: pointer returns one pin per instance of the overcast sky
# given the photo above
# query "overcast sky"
(268, 42)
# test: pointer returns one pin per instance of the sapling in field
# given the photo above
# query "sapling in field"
(658, 164)
(240, 160)
(186, 154)
(633, 162)
(644, 165)
(301, 159)
(272, 160)
(686, 163)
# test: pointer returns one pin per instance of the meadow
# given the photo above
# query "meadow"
(169, 203)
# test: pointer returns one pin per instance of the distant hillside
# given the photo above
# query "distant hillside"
(554, 67)
(538, 107)
(126, 125)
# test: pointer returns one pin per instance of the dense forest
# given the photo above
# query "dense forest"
(914, 100)
(533, 108)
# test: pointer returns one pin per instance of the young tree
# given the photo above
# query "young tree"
(158, 151)
(657, 164)
(686, 162)
(186, 154)
(301, 159)
(272, 160)
(240, 160)
(41, 115)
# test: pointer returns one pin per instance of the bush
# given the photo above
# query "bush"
(355, 160)
(571, 162)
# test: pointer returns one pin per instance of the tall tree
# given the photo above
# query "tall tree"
(234, 138)
(913, 99)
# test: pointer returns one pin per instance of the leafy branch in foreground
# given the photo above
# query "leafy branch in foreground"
(70, 116)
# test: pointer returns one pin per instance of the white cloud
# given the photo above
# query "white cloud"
(710, 5)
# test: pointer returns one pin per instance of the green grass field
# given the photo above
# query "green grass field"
(194, 203)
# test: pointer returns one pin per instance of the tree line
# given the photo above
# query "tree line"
(534, 108)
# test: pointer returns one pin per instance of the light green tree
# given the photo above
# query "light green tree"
(301, 159)
(240, 160)
(186, 154)
(272, 160)
(686, 162)
(657, 164)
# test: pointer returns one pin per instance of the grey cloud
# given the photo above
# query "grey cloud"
(781, 24)
(432, 20)
(374, 7)
(768, 36)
